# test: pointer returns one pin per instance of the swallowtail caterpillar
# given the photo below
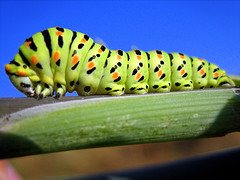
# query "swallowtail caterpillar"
(60, 60)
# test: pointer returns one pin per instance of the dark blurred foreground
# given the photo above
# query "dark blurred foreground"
(218, 165)
(98, 160)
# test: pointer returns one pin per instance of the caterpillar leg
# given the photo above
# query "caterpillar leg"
(163, 87)
(183, 85)
(60, 90)
(43, 90)
(116, 90)
(141, 89)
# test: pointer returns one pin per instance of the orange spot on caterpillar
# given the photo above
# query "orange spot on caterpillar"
(182, 56)
(28, 43)
(202, 72)
(56, 56)
(138, 76)
(200, 59)
(83, 40)
(8, 67)
(139, 57)
(115, 75)
(119, 57)
(99, 50)
(34, 60)
(159, 73)
(159, 56)
(21, 73)
(75, 60)
(91, 65)
(223, 73)
(216, 74)
(182, 72)
(59, 33)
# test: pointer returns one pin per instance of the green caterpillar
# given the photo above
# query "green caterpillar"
(60, 60)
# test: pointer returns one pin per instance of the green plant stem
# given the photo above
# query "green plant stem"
(121, 120)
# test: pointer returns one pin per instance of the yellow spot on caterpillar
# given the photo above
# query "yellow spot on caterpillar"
(182, 72)
(28, 43)
(159, 56)
(91, 65)
(115, 75)
(138, 76)
(59, 33)
(56, 56)
(216, 74)
(34, 60)
(202, 72)
(21, 73)
(159, 73)
(74, 60)
(119, 57)
(139, 57)
(182, 56)
(83, 40)
(8, 67)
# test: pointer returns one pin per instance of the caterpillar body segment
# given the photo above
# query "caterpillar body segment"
(137, 79)
(58, 60)
(159, 71)
(181, 76)
(200, 69)
(114, 75)
(77, 54)
(92, 70)
(34, 54)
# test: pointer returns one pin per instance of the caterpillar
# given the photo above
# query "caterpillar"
(58, 60)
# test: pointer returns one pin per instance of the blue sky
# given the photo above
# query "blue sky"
(205, 29)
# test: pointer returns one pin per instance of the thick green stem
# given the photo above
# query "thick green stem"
(112, 121)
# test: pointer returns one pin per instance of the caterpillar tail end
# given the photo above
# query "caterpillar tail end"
(225, 81)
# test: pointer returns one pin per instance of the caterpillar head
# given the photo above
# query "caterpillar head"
(20, 76)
